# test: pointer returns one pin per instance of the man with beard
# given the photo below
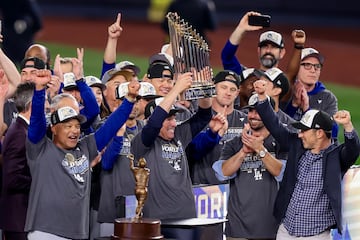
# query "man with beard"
(270, 49)
(249, 162)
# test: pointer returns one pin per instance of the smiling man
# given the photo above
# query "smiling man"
(162, 143)
(161, 76)
(59, 200)
(309, 200)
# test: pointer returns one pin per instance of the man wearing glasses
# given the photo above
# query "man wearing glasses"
(309, 92)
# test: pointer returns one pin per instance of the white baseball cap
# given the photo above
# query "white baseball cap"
(93, 81)
(69, 81)
(272, 37)
(65, 114)
(127, 65)
(312, 52)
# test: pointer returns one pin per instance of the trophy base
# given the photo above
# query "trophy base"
(205, 91)
(136, 229)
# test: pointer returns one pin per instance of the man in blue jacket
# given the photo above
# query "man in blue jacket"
(309, 200)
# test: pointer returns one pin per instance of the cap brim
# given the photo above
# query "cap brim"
(149, 97)
(69, 88)
(259, 73)
(248, 107)
(174, 111)
(99, 85)
(81, 118)
(271, 42)
(299, 125)
(136, 69)
(316, 55)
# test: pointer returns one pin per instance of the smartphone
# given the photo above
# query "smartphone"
(260, 20)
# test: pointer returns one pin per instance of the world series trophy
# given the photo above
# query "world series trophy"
(138, 227)
(191, 54)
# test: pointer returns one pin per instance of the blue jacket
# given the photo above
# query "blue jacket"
(228, 58)
(337, 160)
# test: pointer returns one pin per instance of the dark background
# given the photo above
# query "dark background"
(318, 12)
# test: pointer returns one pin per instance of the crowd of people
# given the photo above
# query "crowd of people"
(270, 134)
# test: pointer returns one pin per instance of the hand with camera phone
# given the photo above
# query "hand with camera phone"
(243, 27)
(259, 20)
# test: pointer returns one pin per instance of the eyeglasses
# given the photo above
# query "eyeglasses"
(308, 66)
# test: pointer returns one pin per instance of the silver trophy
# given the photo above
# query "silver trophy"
(191, 54)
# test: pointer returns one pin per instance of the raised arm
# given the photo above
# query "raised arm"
(4, 87)
(114, 32)
(205, 141)
(351, 148)
(153, 126)
(269, 118)
(11, 72)
(37, 126)
(292, 69)
(117, 119)
(228, 58)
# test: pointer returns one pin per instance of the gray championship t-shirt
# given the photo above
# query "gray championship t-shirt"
(170, 193)
(60, 189)
(119, 181)
(252, 195)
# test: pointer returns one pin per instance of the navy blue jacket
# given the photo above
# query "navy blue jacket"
(337, 160)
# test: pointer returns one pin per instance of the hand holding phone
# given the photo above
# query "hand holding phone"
(259, 20)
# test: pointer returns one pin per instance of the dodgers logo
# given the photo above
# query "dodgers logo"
(76, 167)
(172, 153)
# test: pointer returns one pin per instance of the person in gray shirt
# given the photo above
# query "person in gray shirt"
(162, 143)
(251, 163)
(59, 200)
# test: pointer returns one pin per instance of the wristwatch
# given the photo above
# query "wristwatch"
(262, 153)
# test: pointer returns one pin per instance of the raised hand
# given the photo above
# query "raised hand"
(183, 82)
(244, 22)
(53, 86)
(260, 88)
(43, 77)
(343, 117)
(80, 57)
(57, 68)
(298, 36)
(133, 88)
(80, 53)
(78, 69)
(115, 29)
(218, 124)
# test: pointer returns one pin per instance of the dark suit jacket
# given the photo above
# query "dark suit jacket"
(337, 160)
(16, 178)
